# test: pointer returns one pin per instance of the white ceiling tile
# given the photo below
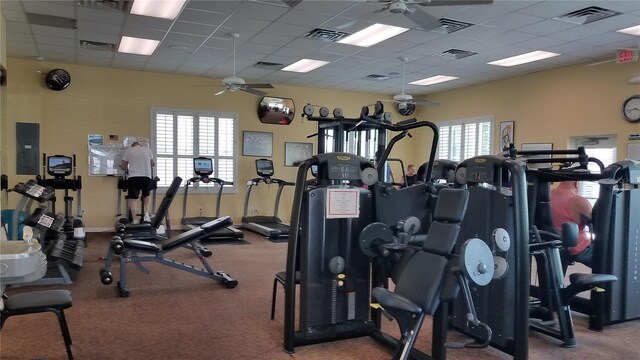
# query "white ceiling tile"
(240, 24)
(53, 31)
(287, 29)
(575, 33)
(94, 61)
(18, 28)
(192, 28)
(615, 22)
(215, 6)
(512, 37)
(12, 5)
(479, 14)
(17, 16)
(540, 43)
(607, 38)
(392, 46)
(98, 28)
(480, 32)
(202, 17)
(261, 11)
(551, 9)
(176, 38)
(293, 52)
(344, 49)
(143, 33)
(546, 27)
(310, 44)
(55, 41)
(513, 21)
(304, 18)
(271, 39)
(96, 54)
(325, 6)
(261, 48)
(24, 49)
(417, 36)
(148, 22)
(325, 56)
(219, 43)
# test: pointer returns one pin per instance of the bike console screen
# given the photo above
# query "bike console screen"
(203, 166)
(59, 166)
(264, 167)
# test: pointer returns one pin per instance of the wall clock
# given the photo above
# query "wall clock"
(58, 79)
(631, 109)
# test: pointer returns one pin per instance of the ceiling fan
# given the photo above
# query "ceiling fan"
(406, 101)
(234, 83)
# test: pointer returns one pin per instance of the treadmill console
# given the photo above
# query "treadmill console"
(264, 168)
(59, 166)
(203, 166)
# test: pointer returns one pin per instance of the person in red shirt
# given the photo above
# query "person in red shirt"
(568, 206)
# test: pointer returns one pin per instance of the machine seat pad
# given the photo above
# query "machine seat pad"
(59, 299)
(141, 245)
(388, 299)
(591, 279)
(196, 233)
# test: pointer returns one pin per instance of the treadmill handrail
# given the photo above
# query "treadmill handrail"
(196, 179)
(267, 180)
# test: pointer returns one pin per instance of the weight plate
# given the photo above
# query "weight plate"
(324, 112)
(373, 236)
(501, 267)
(502, 239)
(386, 116)
(410, 225)
(308, 110)
(369, 176)
(336, 264)
(337, 112)
(477, 261)
(364, 111)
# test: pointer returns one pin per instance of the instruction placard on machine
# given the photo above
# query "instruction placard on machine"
(343, 203)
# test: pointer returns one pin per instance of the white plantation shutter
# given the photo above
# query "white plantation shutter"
(180, 136)
(462, 139)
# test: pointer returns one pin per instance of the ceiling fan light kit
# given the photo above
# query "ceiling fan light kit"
(234, 83)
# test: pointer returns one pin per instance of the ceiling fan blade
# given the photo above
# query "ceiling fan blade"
(422, 19)
(453, 2)
(425, 102)
(254, 91)
(259, 86)
(220, 92)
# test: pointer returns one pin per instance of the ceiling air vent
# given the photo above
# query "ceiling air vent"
(376, 77)
(448, 26)
(50, 20)
(325, 35)
(97, 45)
(120, 5)
(456, 54)
(587, 15)
(268, 65)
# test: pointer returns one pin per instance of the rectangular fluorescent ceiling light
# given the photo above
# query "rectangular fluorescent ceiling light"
(166, 9)
(137, 46)
(433, 80)
(634, 30)
(305, 65)
(524, 58)
(373, 35)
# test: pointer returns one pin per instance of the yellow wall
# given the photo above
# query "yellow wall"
(549, 106)
(546, 106)
(109, 101)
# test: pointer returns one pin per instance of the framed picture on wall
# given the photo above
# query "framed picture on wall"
(296, 152)
(507, 132)
(257, 143)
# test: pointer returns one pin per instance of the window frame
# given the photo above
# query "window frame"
(196, 114)
(610, 141)
(462, 122)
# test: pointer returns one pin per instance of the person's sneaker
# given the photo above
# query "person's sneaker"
(147, 218)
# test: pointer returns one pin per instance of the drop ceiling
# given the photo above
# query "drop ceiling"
(197, 42)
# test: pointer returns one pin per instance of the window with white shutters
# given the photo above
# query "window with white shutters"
(462, 139)
(178, 136)
(602, 148)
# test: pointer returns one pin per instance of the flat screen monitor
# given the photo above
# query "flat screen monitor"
(59, 166)
(264, 167)
(203, 166)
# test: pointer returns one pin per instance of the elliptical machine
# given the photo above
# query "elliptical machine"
(60, 167)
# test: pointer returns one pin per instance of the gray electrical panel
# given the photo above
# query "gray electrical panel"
(27, 148)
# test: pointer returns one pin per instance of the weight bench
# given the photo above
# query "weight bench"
(137, 251)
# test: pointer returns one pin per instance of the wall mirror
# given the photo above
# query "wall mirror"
(274, 110)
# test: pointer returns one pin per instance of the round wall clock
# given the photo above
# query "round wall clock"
(631, 109)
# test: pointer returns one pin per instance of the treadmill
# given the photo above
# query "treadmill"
(270, 226)
(203, 167)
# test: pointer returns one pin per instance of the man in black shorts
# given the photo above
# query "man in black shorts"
(138, 160)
